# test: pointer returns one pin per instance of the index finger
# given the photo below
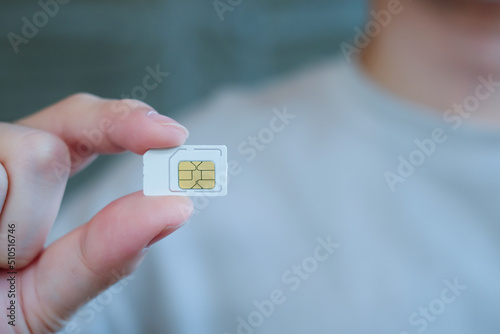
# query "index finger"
(91, 125)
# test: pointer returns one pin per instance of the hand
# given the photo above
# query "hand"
(37, 155)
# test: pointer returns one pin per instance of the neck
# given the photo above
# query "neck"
(419, 61)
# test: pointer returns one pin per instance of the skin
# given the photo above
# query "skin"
(52, 282)
(433, 52)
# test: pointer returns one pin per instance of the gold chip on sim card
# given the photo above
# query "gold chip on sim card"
(196, 175)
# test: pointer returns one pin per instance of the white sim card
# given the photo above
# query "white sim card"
(188, 170)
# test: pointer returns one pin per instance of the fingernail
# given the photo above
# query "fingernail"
(167, 121)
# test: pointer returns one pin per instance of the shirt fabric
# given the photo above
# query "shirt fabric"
(311, 238)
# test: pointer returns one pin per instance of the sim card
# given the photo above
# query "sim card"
(188, 170)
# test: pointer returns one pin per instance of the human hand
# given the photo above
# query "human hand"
(51, 283)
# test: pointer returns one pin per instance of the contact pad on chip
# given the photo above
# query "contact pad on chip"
(196, 175)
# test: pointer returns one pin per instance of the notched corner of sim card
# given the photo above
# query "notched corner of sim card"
(188, 170)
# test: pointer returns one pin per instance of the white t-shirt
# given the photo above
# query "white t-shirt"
(311, 237)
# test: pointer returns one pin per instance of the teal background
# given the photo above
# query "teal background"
(103, 47)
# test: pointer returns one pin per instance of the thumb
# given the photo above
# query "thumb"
(84, 262)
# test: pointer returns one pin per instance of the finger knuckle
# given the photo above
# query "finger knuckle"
(81, 97)
(41, 150)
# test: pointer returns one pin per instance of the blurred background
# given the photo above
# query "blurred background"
(105, 48)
